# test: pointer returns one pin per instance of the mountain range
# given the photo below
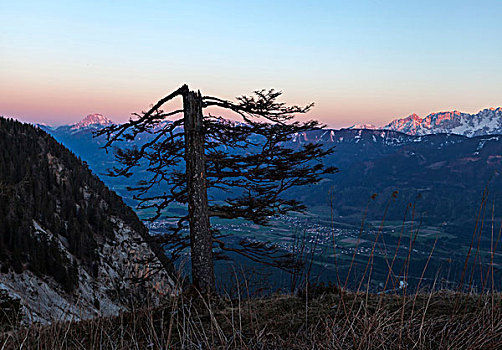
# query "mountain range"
(447, 170)
(485, 122)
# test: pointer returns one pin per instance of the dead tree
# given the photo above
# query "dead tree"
(218, 168)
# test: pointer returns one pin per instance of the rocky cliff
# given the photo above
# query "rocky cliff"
(69, 247)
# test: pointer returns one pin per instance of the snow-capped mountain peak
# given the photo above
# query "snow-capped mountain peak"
(485, 122)
(92, 120)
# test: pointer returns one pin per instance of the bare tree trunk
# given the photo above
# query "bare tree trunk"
(201, 242)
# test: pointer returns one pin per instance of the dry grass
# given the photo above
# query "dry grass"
(327, 320)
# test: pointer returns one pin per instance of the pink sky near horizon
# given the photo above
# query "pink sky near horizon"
(58, 102)
(57, 106)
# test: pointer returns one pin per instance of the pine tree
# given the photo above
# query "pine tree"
(248, 161)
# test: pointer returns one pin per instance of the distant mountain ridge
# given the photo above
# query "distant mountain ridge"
(485, 122)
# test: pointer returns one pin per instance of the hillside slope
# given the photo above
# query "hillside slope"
(69, 247)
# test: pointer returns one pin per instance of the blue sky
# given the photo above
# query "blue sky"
(361, 62)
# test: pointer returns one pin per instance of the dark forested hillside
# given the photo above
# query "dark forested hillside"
(43, 185)
(444, 174)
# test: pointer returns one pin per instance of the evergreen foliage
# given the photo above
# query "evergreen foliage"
(248, 162)
(43, 182)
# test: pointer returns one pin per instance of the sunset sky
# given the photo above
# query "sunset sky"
(360, 62)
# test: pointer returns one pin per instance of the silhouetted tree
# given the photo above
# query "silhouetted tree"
(248, 161)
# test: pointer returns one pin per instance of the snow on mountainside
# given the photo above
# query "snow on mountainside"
(485, 122)
(363, 126)
(354, 136)
(92, 120)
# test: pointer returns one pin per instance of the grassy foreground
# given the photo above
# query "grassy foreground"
(320, 319)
